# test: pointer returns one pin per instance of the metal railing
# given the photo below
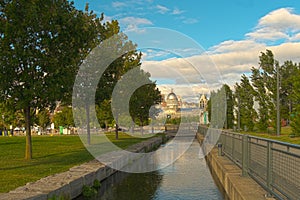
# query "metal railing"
(273, 164)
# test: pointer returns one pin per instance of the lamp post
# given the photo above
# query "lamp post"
(278, 129)
(239, 113)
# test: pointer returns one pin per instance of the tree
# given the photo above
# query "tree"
(43, 118)
(244, 96)
(135, 96)
(217, 108)
(289, 74)
(104, 113)
(42, 43)
(209, 107)
(64, 117)
(229, 107)
(295, 97)
(142, 104)
(264, 82)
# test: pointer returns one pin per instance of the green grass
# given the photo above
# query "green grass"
(51, 154)
(284, 136)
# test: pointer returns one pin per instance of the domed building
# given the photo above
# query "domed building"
(172, 104)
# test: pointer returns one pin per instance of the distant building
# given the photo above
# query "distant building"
(203, 109)
(171, 105)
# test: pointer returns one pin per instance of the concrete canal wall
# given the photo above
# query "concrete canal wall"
(69, 184)
(229, 176)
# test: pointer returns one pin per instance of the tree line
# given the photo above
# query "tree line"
(254, 98)
(42, 45)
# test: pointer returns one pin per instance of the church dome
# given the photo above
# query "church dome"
(172, 96)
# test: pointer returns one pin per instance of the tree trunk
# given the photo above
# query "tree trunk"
(106, 125)
(88, 129)
(28, 150)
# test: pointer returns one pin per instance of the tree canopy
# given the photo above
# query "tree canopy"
(42, 43)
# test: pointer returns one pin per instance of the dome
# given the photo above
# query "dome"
(172, 96)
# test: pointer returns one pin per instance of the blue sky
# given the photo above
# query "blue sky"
(232, 33)
(208, 22)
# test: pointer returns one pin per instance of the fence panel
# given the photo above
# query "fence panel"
(274, 165)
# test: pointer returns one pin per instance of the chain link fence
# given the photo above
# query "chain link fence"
(273, 164)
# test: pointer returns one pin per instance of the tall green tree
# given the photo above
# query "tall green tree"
(217, 108)
(295, 97)
(264, 83)
(104, 113)
(289, 73)
(229, 122)
(244, 103)
(142, 104)
(43, 118)
(42, 43)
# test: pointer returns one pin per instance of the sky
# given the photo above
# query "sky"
(202, 44)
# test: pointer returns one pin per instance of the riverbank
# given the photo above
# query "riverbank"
(69, 184)
(230, 178)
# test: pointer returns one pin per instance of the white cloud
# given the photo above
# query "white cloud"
(162, 9)
(118, 4)
(133, 23)
(216, 69)
(227, 61)
(176, 11)
(281, 24)
(296, 37)
(190, 21)
(234, 46)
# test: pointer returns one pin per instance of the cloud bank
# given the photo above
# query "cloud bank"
(278, 31)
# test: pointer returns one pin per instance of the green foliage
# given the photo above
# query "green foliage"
(209, 109)
(295, 97)
(43, 118)
(217, 110)
(7, 115)
(264, 81)
(64, 117)
(289, 74)
(244, 96)
(89, 192)
(104, 113)
(175, 121)
(61, 197)
(141, 101)
(96, 184)
(42, 43)
(229, 122)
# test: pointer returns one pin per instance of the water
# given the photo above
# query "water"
(188, 178)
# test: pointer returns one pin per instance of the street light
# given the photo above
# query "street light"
(278, 129)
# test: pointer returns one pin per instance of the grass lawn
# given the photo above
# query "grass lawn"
(284, 136)
(51, 154)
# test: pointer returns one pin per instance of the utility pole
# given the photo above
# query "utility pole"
(278, 129)
(239, 112)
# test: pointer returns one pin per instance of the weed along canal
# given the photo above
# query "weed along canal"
(188, 178)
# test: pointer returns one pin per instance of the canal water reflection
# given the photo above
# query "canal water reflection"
(188, 178)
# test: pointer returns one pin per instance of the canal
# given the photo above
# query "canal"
(188, 178)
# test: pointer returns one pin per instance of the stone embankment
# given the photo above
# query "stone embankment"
(70, 183)
(229, 177)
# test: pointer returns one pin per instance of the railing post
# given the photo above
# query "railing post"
(269, 165)
(245, 155)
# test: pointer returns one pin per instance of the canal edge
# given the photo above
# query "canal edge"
(229, 177)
